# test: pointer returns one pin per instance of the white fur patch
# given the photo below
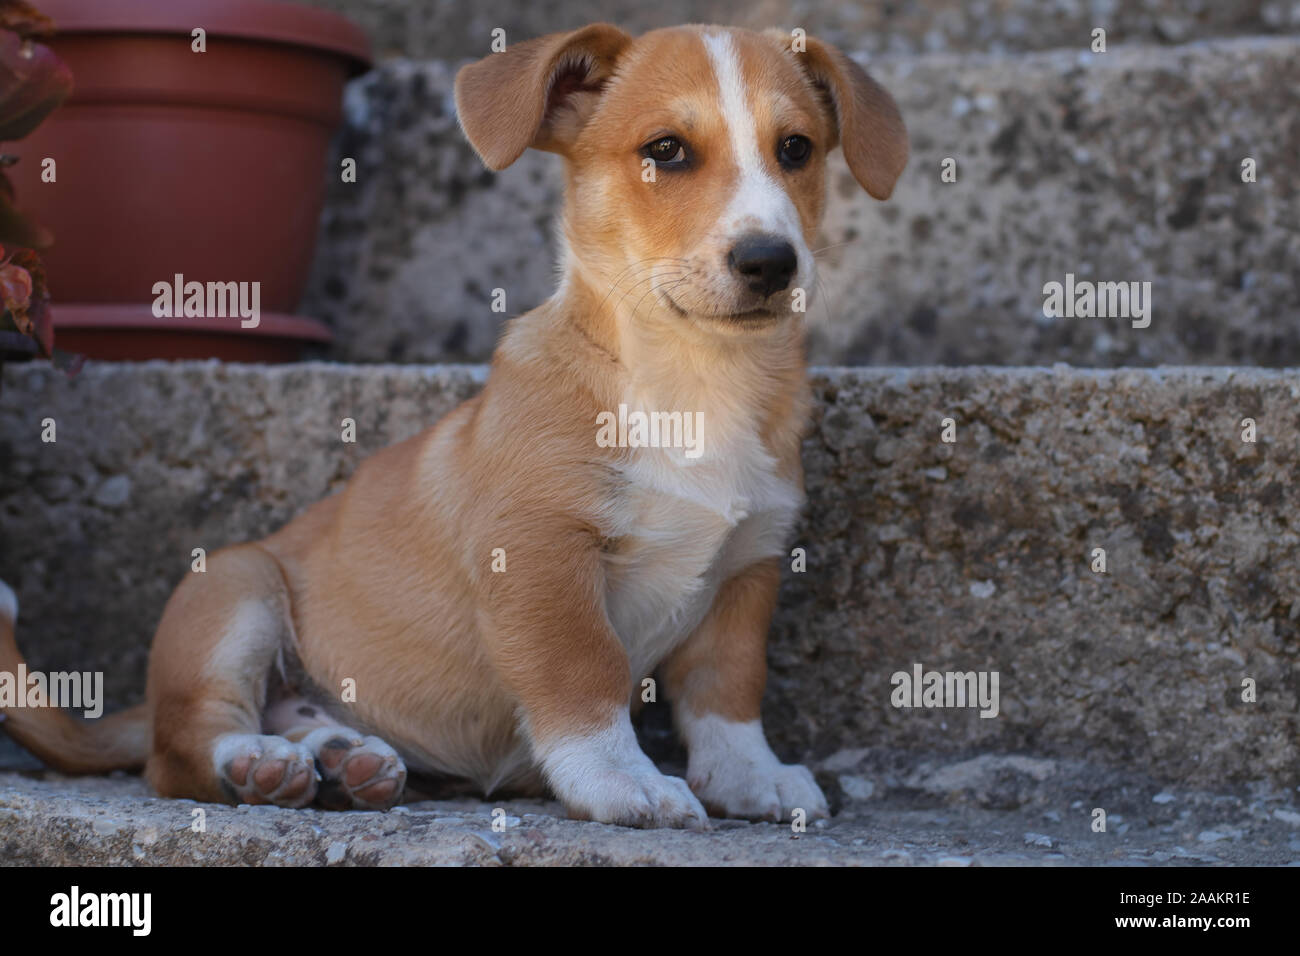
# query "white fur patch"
(686, 528)
(8, 604)
(606, 776)
(759, 204)
(732, 767)
(249, 644)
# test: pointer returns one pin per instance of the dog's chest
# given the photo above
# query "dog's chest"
(683, 527)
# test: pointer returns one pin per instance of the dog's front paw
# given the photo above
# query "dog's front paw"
(735, 773)
(605, 777)
(771, 792)
(638, 799)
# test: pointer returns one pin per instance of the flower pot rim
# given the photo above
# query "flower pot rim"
(268, 20)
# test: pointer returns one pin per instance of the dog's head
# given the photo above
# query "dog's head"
(696, 158)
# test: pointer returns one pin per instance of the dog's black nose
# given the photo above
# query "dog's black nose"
(766, 261)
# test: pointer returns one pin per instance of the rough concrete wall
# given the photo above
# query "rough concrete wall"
(442, 28)
(1116, 167)
(973, 555)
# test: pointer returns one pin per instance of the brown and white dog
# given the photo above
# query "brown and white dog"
(497, 587)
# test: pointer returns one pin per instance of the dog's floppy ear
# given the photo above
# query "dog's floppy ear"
(537, 93)
(866, 118)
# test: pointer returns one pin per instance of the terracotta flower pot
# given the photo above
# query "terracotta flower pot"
(207, 165)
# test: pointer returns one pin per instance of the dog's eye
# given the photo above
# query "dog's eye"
(666, 151)
(794, 151)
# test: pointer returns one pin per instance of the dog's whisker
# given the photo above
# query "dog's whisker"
(651, 290)
(640, 264)
(672, 286)
(649, 275)
(634, 286)
(675, 276)
(825, 296)
(651, 263)
(838, 245)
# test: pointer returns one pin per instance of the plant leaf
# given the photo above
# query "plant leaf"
(24, 19)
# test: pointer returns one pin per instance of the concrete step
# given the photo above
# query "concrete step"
(444, 28)
(903, 811)
(970, 556)
(1116, 167)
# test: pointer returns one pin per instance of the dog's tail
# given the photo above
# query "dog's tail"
(117, 742)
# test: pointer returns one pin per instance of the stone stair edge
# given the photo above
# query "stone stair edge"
(1142, 52)
(478, 371)
(1008, 27)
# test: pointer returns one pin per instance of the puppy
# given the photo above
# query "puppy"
(483, 601)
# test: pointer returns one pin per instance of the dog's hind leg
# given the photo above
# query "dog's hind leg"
(358, 772)
(220, 636)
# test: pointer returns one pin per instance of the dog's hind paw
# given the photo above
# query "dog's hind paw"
(257, 768)
(357, 772)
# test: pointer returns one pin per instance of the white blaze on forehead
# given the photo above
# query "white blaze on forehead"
(759, 202)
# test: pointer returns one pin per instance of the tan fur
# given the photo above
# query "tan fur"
(722, 667)
(866, 118)
(118, 741)
(390, 584)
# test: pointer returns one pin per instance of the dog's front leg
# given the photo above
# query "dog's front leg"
(552, 642)
(715, 681)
